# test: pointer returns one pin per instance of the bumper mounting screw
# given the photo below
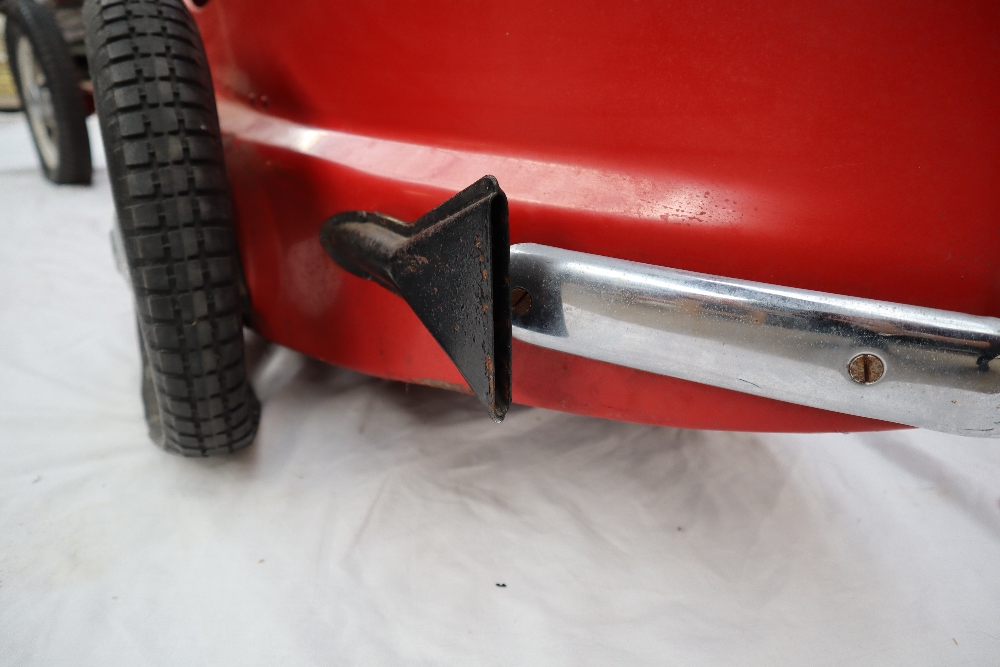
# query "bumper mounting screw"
(866, 368)
(520, 300)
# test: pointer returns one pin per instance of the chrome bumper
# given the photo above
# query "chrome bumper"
(903, 364)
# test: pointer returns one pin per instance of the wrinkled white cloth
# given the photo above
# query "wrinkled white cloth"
(378, 524)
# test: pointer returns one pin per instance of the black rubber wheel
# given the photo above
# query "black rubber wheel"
(49, 88)
(154, 98)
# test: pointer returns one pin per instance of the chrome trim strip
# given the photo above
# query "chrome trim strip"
(784, 343)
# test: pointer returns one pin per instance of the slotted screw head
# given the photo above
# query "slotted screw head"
(866, 368)
(520, 300)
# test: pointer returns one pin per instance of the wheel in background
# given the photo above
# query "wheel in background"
(49, 89)
(154, 99)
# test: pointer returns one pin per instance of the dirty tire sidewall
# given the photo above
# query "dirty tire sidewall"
(154, 98)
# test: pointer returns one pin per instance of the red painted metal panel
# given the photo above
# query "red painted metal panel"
(848, 148)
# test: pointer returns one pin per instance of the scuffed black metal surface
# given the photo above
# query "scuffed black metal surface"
(452, 268)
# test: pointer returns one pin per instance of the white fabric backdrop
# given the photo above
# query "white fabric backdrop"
(371, 523)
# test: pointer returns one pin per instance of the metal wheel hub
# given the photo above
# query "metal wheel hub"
(38, 103)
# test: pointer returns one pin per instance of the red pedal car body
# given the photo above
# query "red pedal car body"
(778, 218)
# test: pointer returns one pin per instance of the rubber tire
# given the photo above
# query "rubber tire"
(154, 99)
(37, 23)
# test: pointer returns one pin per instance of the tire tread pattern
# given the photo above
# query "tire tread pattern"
(154, 96)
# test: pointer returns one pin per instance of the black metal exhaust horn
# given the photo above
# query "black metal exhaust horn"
(451, 266)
